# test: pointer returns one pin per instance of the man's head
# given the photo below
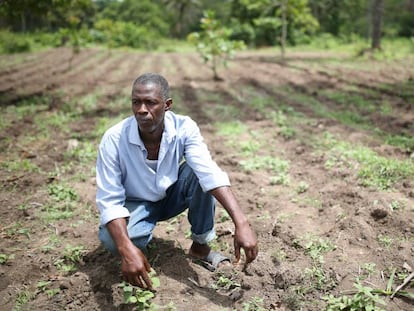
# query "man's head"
(150, 101)
(154, 78)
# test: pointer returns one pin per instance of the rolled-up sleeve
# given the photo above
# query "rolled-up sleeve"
(198, 157)
(110, 196)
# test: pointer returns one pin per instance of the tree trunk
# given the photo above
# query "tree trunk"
(377, 12)
(284, 28)
(23, 21)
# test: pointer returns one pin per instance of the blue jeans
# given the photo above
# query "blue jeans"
(184, 193)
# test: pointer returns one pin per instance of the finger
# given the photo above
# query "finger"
(137, 282)
(237, 252)
(147, 280)
(147, 266)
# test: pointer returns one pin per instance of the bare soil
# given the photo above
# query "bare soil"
(334, 206)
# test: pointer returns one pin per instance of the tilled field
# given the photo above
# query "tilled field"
(308, 142)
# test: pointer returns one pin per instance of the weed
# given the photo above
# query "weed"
(320, 279)
(64, 200)
(265, 162)
(84, 152)
(141, 297)
(385, 241)
(278, 256)
(62, 193)
(364, 299)
(71, 256)
(22, 298)
(316, 247)
(24, 165)
(232, 129)
(254, 304)
(374, 170)
(397, 205)
(302, 187)
(43, 285)
(366, 271)
(224, 282)
(54, 241)
(280, 179)
(4, 258)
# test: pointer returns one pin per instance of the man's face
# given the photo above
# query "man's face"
(149, 107)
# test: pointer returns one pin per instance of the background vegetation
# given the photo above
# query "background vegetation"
(146, 24)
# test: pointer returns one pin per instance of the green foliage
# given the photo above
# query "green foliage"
(365, 300)
(254, 304)
(14, 43)
(124, 34)
(72, 255)
(4, 258)
(22, 298)
(373, 170)
(139, 296)
(213, 42)
(62, 193)
(259, 22)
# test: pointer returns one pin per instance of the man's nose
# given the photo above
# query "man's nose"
(142, 109)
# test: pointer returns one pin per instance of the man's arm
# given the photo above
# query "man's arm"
(244, 236)
(134, 264)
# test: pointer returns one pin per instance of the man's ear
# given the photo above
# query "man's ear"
(168, 104)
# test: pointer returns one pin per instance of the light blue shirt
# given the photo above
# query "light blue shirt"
(122, 173)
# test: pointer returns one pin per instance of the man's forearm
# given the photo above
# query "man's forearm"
(226, 198)
(119, 233)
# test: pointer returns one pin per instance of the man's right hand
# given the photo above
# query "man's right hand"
(135, 267)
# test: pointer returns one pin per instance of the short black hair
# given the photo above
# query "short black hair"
(155, 78)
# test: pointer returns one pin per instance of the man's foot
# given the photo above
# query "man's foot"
(209, 259)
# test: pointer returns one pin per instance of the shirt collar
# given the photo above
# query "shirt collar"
(169, 130)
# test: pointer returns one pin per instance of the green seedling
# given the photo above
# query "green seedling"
(22, 298)
(365, 298)
(71, 256)
(385, 241)
(141, 297)
(302, 187)
(223, 282)
(254, 304)
(4, 258)
(315, 248)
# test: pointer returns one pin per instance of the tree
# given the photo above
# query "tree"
(377, 12)
(213, 43)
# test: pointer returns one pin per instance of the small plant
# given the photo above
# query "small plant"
(62, 193)
(141, 297)
(316, 247)
(4, 258)
(254, 304)
(71, 256)
(366, 270)
(224, 282)
(385, 241)
(364, 299)
(302, 187)
(23, 297)
(213, 42)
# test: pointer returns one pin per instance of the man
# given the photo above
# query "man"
(142, 178)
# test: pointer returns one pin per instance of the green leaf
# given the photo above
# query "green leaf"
(391, 281)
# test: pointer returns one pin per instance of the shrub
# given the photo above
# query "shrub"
(119, 34)
(14, 43)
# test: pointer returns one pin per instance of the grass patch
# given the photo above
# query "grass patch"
(373, 170)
